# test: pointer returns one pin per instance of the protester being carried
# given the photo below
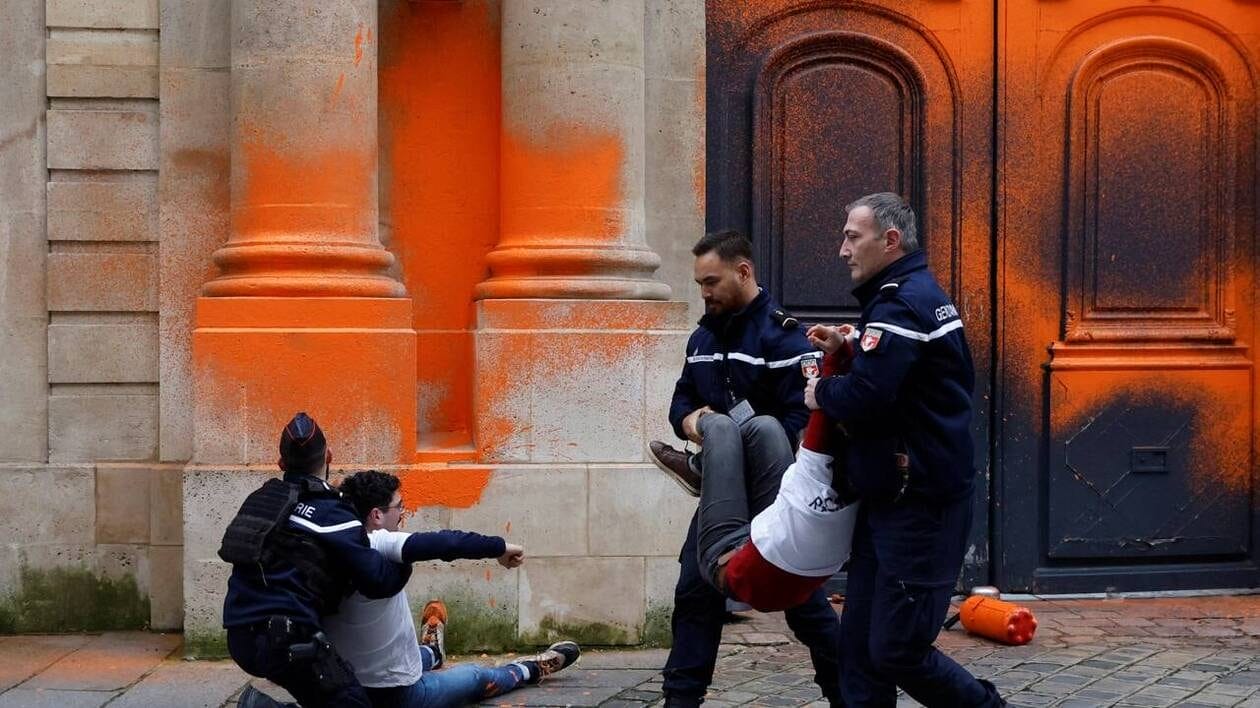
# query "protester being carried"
(801, 523)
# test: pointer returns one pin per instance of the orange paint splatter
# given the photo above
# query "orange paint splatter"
(305, 191)
(565, 188)
(487, 575)
(505, 391)
(358, 45)
(455, 487)
(507, 528)
(1220, 428)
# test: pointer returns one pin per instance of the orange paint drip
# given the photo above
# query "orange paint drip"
(565, 188)
(358, 45)
(341, 82)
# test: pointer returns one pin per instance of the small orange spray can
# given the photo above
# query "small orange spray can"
(998, 620)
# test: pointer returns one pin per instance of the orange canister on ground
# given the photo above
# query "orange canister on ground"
(998, 620)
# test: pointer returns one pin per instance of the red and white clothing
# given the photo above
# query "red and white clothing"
(796, 543)
(806, 534)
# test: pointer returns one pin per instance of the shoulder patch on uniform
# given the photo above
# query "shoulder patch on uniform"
(809, 368)
(784, 319)
(870, 339)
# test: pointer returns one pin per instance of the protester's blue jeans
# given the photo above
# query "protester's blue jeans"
(460, 685)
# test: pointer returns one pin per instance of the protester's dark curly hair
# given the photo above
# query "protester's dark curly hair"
(369, 490)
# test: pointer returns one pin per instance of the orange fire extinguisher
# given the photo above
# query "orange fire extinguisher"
(986, 614)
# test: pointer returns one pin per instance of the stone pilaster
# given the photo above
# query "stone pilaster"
(304, 153)
(572, 326)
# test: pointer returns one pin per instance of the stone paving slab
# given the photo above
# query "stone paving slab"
(194, 684)
(22, 657)
(109, 661)
(1146, 654)
(52, 698)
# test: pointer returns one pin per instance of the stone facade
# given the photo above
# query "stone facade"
(503, 329)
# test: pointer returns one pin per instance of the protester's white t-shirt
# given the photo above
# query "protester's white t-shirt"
(378, 637)
(806, 531)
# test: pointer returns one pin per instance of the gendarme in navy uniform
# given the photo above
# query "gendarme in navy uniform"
(909, 392)
(746, 355)
(906, 405)
(296, 550)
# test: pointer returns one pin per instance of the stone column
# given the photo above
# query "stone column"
(303, 315)
(571, 201)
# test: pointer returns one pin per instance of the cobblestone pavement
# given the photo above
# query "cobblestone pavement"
(1190, 652)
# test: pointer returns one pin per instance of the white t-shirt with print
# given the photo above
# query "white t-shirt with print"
(378, 637)
(806, 531)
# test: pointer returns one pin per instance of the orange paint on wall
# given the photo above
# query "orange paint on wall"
(565, 188)
(459, 488)
(439, 132)
(258, 360)
(299, 191)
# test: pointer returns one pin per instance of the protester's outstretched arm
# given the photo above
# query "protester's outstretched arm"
(446, 545)
(336, 527)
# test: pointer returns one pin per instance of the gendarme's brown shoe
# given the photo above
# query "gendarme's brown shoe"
(676, 464)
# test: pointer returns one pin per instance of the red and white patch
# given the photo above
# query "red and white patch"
(870, 339)
(809, 368)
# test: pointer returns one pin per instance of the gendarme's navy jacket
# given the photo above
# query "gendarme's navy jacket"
(909, 390)
(761, 359)
(253, 595)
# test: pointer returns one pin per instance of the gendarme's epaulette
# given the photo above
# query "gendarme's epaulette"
(784, 320)
(891, 288)
(315, 488)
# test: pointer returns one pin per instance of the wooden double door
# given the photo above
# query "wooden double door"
(1085, 176)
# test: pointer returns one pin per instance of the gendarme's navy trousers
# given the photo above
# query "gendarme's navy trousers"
(906, 559)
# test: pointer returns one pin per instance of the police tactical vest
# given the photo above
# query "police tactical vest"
(259, 537)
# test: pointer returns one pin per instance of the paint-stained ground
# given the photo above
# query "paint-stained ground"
(1202, 651)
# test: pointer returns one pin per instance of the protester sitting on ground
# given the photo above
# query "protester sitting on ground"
(801, 524)
(378, 637)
